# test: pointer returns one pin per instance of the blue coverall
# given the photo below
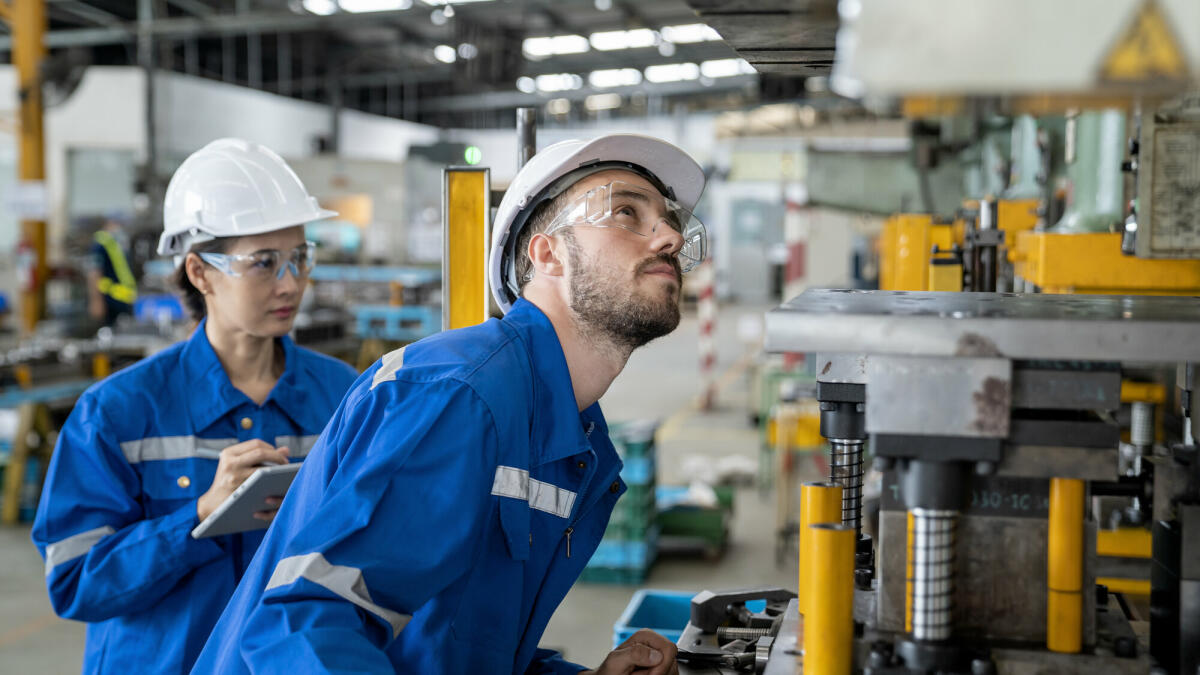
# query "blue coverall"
(115, 519)
(448, 508)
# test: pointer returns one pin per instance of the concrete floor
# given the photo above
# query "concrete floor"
(661, 382)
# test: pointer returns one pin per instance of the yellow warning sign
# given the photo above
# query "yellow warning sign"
(1146, 50)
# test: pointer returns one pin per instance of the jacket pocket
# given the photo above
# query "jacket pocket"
(489, 611)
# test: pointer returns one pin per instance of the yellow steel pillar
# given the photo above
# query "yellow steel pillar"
(819, 503)
(466, 214)
(829, 621)
(1064, 580)
(28, 21)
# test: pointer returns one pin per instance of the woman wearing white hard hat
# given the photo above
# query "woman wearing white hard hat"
(149, 452)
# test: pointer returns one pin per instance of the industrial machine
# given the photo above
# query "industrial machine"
(993, 417)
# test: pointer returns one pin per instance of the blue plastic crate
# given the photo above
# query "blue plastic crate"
(638, 470)
(404, 323)
(664, 612)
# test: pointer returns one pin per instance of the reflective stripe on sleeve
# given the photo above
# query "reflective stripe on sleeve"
(172, 447)
(74, 546)
(392, 362)
(516, 483)
(298, 446)
(345, 582)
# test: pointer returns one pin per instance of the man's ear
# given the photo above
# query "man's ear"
(546, 259)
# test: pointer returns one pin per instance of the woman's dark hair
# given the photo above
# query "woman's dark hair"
(193, 299)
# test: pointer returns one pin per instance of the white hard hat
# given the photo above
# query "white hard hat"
(672, 171)
(232, 188)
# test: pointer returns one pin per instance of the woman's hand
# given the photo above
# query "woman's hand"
(235, 466)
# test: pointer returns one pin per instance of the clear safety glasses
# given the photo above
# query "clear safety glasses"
(641, 211)
(267, 264)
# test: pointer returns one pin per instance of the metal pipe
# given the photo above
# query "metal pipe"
(820, 502)
(1064, 578)
(829, 622)
(846, 469)
(526, 135)
(933, 542)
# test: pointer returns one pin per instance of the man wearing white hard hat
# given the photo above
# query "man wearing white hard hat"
(466, 479)
(149, 452)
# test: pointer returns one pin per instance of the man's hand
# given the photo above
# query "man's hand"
(235, 466)
(644, 653)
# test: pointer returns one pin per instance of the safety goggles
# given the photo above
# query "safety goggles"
(267, 264)
(639, 210)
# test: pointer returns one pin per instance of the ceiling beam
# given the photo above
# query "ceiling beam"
(194, 7)
(516, 99)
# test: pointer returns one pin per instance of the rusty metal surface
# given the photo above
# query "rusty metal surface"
(939, 397)
(1147, 329)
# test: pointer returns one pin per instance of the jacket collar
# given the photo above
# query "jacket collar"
(210, 395)
(559, 430)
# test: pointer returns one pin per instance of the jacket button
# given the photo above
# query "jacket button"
(247, 422)
(615, 487)
(582, 465)
(184, 481)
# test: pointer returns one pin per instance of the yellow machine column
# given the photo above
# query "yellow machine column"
(829, 620)
(1064, 603)
(819, 503)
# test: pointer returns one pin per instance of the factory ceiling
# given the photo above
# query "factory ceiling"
(459, 62)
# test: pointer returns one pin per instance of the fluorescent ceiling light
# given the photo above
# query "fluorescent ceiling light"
(602, 102)
(616, 77)
(434, 3)
(558, 82)
(689, 32)
(445, 53)
(526, 85)
(322, 7)
(554, 45)
(672, 72)
(624, 39)
(361, 6)
(725, 68)
(558, 106)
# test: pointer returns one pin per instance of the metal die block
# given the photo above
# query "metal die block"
(1046, 388)
(939, 397)
(842, 368)
(1037, 461)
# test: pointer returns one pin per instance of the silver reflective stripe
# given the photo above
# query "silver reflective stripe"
(172, 447)
(392, 362)
(298, 446)
(345, 582)
(74, 546)
(516, 483)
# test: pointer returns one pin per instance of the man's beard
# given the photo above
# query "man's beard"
(622, 315)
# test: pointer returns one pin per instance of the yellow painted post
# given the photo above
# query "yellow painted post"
(1064, 580)
(908, 573)
(28, 29)
(466, 215)
(829, 623)
(101, 366)
(820, 502)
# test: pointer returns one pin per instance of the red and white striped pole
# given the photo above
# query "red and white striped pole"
(706, 309)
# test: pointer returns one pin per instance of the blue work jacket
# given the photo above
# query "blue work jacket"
(119, 503)
(448, 508)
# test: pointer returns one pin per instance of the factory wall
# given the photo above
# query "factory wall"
(107, 112)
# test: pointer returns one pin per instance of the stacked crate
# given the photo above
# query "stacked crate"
(630, 542)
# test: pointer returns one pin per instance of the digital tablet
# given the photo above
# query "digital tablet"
(236, 513)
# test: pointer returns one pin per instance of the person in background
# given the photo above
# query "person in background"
(149, 452)
(467, 478)
(112, 288)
